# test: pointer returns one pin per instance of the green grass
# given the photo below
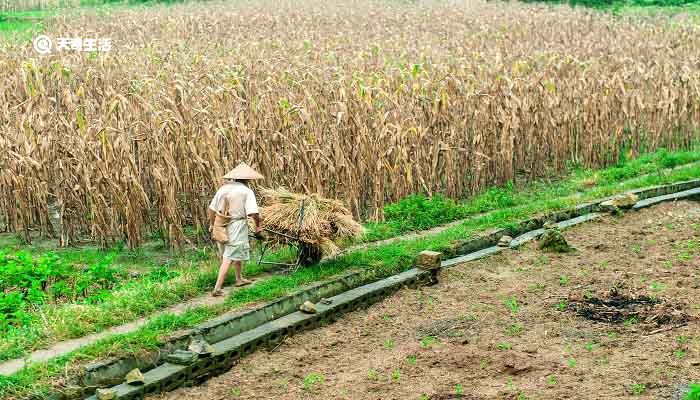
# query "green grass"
(377, 262)
(24, 25)
(694, 392)
(616, 4)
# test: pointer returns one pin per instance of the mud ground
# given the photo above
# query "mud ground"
(504, 327)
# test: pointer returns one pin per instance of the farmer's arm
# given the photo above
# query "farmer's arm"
(251, 208)
(212, 210)
(212, 216)
(256, 219)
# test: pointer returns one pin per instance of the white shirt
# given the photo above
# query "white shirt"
(242, 203)
(241, 199)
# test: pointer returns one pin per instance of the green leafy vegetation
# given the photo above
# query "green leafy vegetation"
(428, 341)
(504, 346)
(459, 390)
(694, 392)
(515, 330)
(24, 25)
(372, 374)
(26, 281)
(313, 380)
(638, 389)
(512, 304)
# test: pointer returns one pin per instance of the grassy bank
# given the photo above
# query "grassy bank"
(632, 6)
(420, 212)
(381, 261)
(25, 24)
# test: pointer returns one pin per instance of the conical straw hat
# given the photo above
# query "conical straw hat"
(243, 171)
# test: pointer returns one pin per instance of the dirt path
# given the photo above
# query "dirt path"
(65, 347)
(511, 327)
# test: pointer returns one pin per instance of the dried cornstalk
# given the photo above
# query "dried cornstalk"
(135, 141)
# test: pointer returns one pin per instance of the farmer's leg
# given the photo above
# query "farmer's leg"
(223, 271)
(238, 266)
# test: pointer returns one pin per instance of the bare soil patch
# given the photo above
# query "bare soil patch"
(521, 325)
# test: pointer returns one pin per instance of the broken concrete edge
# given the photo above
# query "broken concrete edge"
(518, 241)
(218, 329)
(686, 194)
(227, 352)
(113, 370)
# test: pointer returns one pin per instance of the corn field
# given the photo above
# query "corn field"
(364, 101)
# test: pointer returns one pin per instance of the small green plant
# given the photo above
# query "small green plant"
(571, 362)
(638, 389)
(468, 317)
(537, 288)
(590, 346)
(372, 374)
(512, 305)
(509, 383)
(630, 321)
(236, 392)
(541, 260)
(562, 305)
(428, 341)
(411, 360)
(313, 380)
(563, 280)
(515, 330)
(389, 344)
(657, 286)
(483, 364)
(679, 353)
(504, 346)
(636, 248)
(459, 390)
(396, 375)
(551, 380)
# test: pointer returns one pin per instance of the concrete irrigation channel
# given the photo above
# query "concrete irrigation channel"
(235, 336)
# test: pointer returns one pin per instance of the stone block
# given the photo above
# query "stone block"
(182, 357)
(428, 260)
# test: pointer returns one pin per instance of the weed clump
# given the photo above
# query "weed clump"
(553, 241)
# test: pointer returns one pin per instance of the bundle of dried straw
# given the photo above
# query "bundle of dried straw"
(325, 221)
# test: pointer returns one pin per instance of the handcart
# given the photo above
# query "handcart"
(303, 254)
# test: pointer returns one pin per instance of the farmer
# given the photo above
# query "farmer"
(229, 210)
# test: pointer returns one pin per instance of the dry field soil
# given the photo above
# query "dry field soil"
(617, 318)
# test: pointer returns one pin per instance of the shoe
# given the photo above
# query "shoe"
(243, 282)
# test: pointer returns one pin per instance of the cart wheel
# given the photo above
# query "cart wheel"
(310, 255)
